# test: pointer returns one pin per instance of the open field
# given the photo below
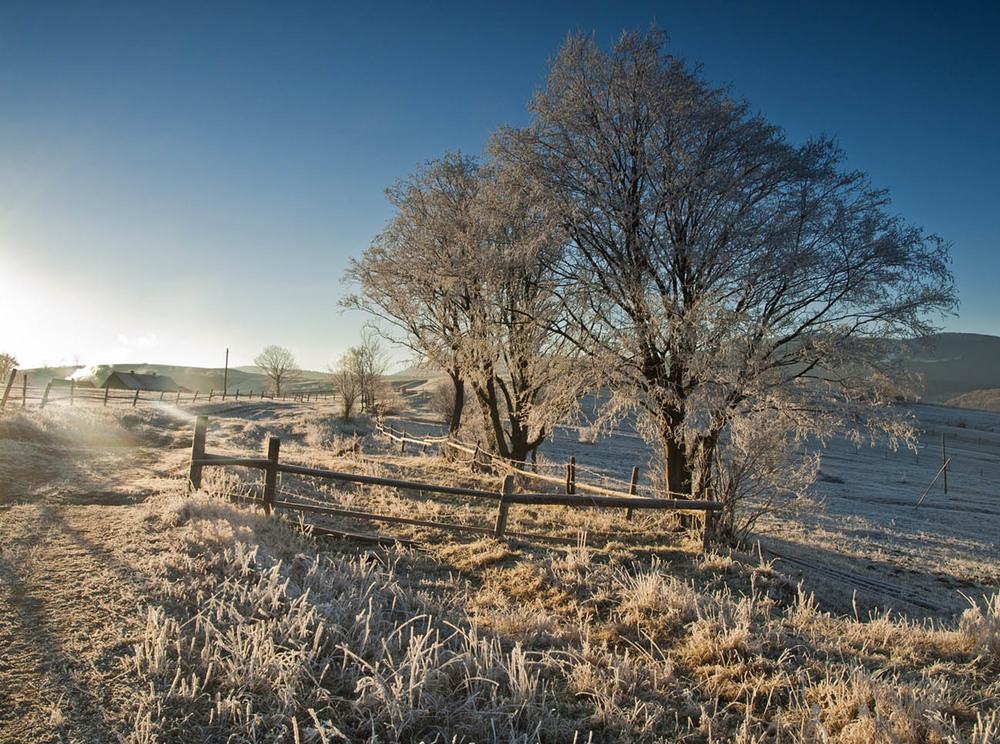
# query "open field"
(130, 610)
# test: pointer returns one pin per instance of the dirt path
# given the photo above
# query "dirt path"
(67, 623)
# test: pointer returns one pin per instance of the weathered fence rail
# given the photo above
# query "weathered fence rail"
(504, 497)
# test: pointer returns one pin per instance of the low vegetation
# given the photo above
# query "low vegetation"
(233, 626)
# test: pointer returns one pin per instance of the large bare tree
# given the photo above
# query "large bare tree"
(716, 271)
(462, 274)
(414, 275)
(278, 363)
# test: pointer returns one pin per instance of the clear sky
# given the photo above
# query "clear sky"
(177, 178)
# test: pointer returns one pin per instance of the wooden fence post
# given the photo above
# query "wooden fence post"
(72, 396)
(106, 391)
(24, 391)
(571, 476)
(197, 451)
(162, 393)
(237, 394)
(402, 442)
(271, 473)
(944, 464)
(135, 399)
(632, 488)
(195, 398)
(709, 535)
(178, 397)
(504, 507)
(211, 392)
(45, 395)
(10, 384)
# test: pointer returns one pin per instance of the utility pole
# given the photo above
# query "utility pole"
(225, 376)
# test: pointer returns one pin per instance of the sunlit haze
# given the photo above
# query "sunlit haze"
(180, 178)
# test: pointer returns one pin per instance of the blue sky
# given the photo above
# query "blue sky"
(179, 178)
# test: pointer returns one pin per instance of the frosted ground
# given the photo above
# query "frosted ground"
(863, 542)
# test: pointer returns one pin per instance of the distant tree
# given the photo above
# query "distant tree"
(346, 383)
(720, 274)
(7, 363)
(370, 363)
(358, 375)
(278, 363)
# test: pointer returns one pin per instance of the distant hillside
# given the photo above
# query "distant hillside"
(202, 379)
(978, 400)
(956, 364)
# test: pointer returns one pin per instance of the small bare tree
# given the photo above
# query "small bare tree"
(7, 363)
(346, 383)
(358, 375)
(278, 363)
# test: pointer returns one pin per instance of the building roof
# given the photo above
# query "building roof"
(133, 381)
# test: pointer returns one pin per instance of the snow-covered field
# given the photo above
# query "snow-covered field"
(864, 522)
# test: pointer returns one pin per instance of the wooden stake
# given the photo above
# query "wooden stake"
(632, 488)
(197, 451)
(10, 384)
(504, 507)
(571, 476)
(45, 396)
(944, 464)
(271, 473)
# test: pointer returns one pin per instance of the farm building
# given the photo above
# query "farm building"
(133, 381)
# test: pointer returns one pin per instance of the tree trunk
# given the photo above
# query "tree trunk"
(455, 419)
(678, 469)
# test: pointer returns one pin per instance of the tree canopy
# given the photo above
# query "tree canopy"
(738, 292)
(721, 271)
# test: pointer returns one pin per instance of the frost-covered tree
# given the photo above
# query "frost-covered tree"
(414, 275)
(718, 272)
(525, 378)
(462, 274)
(278, 363)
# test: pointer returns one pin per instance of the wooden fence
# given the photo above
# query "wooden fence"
(504, 497)
(480, 457)
(24, 394)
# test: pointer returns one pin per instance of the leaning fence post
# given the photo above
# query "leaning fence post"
(10, 384)
(571, 476)
(502, 509)
(197, 451)
(271, 473)
(136, 398)
(632, 487)
(45, 395)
